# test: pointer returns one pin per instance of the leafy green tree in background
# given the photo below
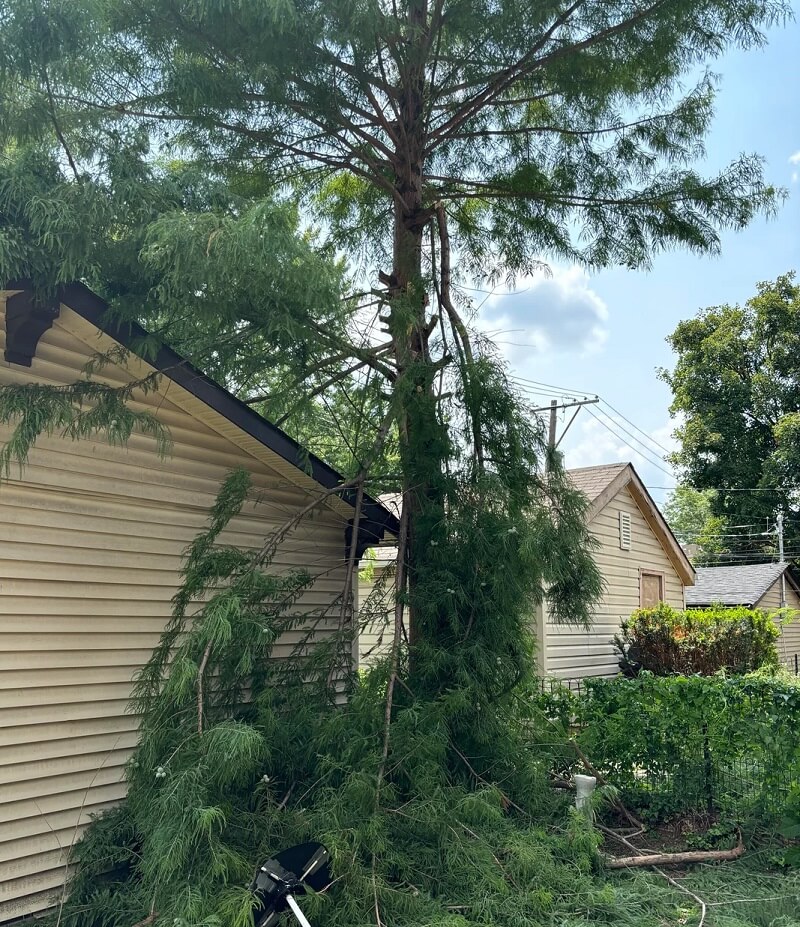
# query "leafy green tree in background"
(736, 385)
(703, 534)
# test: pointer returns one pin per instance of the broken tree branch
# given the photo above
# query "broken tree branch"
(674, 859)
(200, 673)
(673, 882)
(400, 579)
(460, 332)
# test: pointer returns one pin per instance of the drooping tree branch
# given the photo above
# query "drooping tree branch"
(459, 329)
(399, 586)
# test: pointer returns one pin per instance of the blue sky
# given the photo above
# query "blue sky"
(606, 333)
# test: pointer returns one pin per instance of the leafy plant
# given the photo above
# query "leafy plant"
(663, 640)
(736, 387)
(674, 744)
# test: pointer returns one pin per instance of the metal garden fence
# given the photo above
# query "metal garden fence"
(666, 761)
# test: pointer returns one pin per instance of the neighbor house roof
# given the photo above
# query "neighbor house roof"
(735, 585)
(591, 481)
(27, 320)
(603, 483)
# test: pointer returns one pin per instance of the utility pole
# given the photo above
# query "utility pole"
(779, 532)
(553, 408)
(551, 434)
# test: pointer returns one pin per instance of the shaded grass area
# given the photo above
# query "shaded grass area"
(751, 892)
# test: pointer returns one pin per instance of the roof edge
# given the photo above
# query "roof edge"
(79, 298)
(629, 478)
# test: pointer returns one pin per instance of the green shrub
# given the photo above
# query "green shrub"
(697, 641)
(677, 744)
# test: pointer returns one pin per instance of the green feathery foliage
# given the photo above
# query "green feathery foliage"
(443, 817)
(81, 410)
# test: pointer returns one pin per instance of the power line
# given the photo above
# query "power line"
(633, 436)
(717, 537)
(642, 450)
(653, 463)
(740, 488)
(553, 389)
(649, 437)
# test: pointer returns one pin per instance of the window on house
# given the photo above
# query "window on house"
(651, 589)
(625, 530)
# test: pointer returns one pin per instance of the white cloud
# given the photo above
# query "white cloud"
(559, 313)
(795, 158)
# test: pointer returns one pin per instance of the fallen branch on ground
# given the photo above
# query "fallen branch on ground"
(674, 859)
(673, 882)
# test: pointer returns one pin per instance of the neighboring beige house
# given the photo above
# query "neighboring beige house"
(639, 558)
(768, 586)
(641, 564)
(91, 542)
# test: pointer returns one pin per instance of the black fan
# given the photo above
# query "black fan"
(288, 874)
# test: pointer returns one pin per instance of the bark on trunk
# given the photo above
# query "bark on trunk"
(408, 316)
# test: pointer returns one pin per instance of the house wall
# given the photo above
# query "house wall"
(789, 642)
(569, 652)
(375, 618)
(91, 541)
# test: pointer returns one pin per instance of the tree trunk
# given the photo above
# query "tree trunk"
(421, 443)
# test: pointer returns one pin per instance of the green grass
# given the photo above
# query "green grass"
(751, 892)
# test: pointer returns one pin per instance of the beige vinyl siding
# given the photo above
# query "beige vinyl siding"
(571, 652)
(789, 641)
(91, 542)
(375, 619)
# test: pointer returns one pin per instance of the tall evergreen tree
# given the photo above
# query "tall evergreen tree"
(436, 140)
(171, 153)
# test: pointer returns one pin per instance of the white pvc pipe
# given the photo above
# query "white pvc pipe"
(584, 786)
(297, 911)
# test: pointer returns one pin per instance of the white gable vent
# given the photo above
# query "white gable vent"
(625, 530)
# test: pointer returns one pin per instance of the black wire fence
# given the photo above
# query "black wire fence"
(677, 745)
(791, 663)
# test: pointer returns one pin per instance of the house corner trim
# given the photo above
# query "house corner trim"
(26, 321)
